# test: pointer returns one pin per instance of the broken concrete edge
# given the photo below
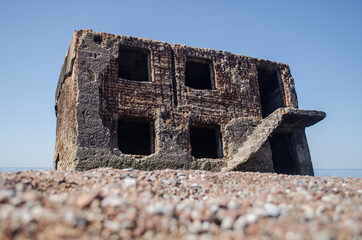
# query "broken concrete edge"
(67, 66)
(140, 163)
(313, 115)
(279, 117)
(91, 31)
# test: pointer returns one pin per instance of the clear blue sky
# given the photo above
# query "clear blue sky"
(320, 40)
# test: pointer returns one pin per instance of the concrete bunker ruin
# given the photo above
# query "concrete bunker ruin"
(134, 102)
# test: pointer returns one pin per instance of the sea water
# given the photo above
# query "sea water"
(342, 173)
(20, 169)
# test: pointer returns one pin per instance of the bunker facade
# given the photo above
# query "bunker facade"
(128, 102)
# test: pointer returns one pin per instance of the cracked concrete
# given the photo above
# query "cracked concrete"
(93, 95)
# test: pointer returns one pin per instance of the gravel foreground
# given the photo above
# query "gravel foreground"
(176, 204)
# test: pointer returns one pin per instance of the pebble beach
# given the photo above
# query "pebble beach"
(177, 204)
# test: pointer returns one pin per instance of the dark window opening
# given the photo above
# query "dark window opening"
(199, 74)
(97, 38)
(206, 141)
(271, 91)
(282, 155)
(133, 64)
(136, 136)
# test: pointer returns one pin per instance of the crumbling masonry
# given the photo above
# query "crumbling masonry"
(126, 102)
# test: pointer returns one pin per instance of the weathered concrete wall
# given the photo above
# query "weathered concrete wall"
(65, 108)
(91, 98)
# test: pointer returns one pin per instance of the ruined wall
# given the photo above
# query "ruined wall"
(289, 93)
(66, 126)
(235, 94)
(97, 97)
(142, 99)
(65, 108)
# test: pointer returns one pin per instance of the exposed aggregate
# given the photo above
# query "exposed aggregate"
(176, 204)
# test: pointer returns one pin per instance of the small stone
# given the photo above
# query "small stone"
(205, 226)
(37, 212)
(69, 217)
(26, 217)
(308, 212)
(327, 198)
(204, 198)
(129, 182)
(299, 183)
(181, 175)
(6, 194)
(233, 205)
(166, 182)
(227, 223)
(312, 185)
(152, 178)
(81, 222)
(240, 224)
(195, 227)
(59, 198)
(112, 225)
(260, 212)
(339, 209)
(16, 200)
(113, 201)
(30, 196)
(323, 235)
(128, 169)
(321, 209)
(293, 236)
(214, 208)
(272, 210)
(85, 200)
(251, 218)
(195, 214)
(335, 190)
(160, 209)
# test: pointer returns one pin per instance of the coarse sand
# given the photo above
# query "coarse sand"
(177, 204)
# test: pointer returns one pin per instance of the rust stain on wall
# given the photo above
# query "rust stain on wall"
(175, 106)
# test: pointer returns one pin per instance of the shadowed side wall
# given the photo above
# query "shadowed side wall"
(289, 150)
(66, 108)
(66, 126)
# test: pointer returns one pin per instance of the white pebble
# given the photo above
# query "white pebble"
(272, 210)
(214, 208)
(251, 218)
(227, 223)
(112, 201)
(112, 225)
(308, 212)
(240, 224)
(129, 182)
(128, 169)
(160, 209)
(233, 205)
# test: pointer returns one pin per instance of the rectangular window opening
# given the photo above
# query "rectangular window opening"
(133, 64)
(199, 73)
(282, 155)
(271, 91)
(206, 141)
(136, 136)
